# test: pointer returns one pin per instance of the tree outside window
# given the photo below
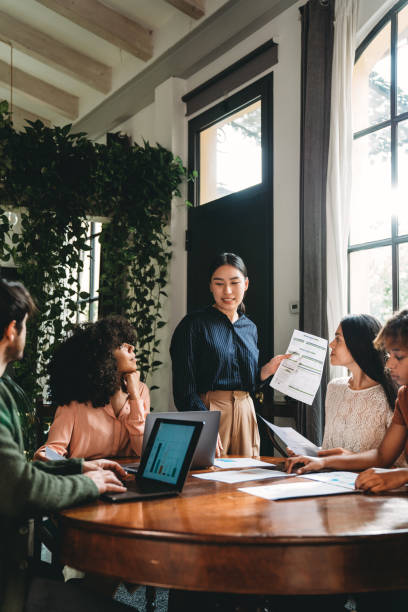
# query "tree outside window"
(378, 245)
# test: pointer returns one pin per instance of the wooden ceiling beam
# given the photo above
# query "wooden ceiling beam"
(20, 116)
(64, 103)
(192, 8)
(56, 54)
(107, 24)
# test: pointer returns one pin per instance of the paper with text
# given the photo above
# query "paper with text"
(339, 479)
(307, 488)
(300, 375)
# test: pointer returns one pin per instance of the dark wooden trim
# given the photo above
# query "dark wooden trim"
(234, 76)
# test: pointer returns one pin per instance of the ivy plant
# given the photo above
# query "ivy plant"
(57, 180)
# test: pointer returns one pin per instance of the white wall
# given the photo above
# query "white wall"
(164, 122)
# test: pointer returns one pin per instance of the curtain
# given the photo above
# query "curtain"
(340, 166)
(317, 52)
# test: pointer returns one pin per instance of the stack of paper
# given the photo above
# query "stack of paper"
(233, 476)
(310, 485)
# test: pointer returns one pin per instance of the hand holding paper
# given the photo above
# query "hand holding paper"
(300, 375)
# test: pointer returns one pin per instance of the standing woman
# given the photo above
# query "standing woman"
(215, 354)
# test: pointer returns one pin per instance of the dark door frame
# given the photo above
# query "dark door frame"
(260, 89)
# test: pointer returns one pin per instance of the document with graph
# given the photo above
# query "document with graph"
(300, 375)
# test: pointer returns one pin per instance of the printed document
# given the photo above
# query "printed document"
(239, 462)
(299, 376)
(338, 479)
(233, 476)
(293, 440)
(291, 489)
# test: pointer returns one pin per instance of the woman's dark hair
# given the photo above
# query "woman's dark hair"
(229, 259)
(396, 328)
(15, 304)
(359, 332)
(84, 368)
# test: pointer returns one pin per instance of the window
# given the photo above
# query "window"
(378, 245)
(231, 154)
(89, 276)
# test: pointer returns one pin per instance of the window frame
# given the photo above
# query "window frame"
(93, 294)
(262, 89)
(395, 239)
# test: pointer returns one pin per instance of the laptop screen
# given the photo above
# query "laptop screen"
(168, 452)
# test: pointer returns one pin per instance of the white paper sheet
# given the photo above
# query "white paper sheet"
(241, 462)
(293, 439)
(300, 375)
(233, 476)
(339, 479)
(307, 488)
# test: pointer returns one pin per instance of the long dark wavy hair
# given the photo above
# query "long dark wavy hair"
(359, 332)
(84, 368)
(229, 259)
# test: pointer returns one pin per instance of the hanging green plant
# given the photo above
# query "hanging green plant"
(57, 180)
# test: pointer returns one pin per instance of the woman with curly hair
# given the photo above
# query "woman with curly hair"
(94, 381)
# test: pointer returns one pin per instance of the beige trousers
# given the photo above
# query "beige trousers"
(238, 427)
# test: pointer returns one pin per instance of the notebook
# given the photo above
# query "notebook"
(165, 461)
(205, 451)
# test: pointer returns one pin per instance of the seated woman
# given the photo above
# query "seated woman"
(393, 337)
(359, 407)
(95, 382)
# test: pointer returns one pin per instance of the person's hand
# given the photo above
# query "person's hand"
(105, 480)
(272, 365)
(376, 481)
(132, 381)
(219, 448)
(334, 451)
(310, 464)
(104, 464)
(290, 452)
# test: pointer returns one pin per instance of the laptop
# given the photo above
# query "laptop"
(165, 461)
(205, 452)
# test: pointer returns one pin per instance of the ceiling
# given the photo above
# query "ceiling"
(95, 63)
(59, 59)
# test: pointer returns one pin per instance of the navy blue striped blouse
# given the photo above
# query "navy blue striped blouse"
(210, 353)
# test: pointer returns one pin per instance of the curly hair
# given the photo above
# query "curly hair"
(395, 328)
(83, 367)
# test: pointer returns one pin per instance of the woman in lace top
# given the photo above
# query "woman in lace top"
(359, 408)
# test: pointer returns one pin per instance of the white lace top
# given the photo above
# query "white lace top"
(355, 420)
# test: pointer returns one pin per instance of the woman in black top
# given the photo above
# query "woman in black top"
(215, 359)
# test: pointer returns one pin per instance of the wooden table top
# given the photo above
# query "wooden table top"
(214, 537)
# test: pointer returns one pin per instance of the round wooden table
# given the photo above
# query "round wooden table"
(216, 538)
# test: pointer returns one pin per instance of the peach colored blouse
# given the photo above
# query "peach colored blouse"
(80, 430)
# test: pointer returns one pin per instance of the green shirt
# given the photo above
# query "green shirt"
(28, 489)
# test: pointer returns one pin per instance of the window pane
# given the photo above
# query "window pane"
(402, 191)
(403, 275)
(402, 62)
(371, 190)
(231, 154)
(371, 83)
(370, 282)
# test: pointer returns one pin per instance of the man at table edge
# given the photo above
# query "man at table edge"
(29, 489)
